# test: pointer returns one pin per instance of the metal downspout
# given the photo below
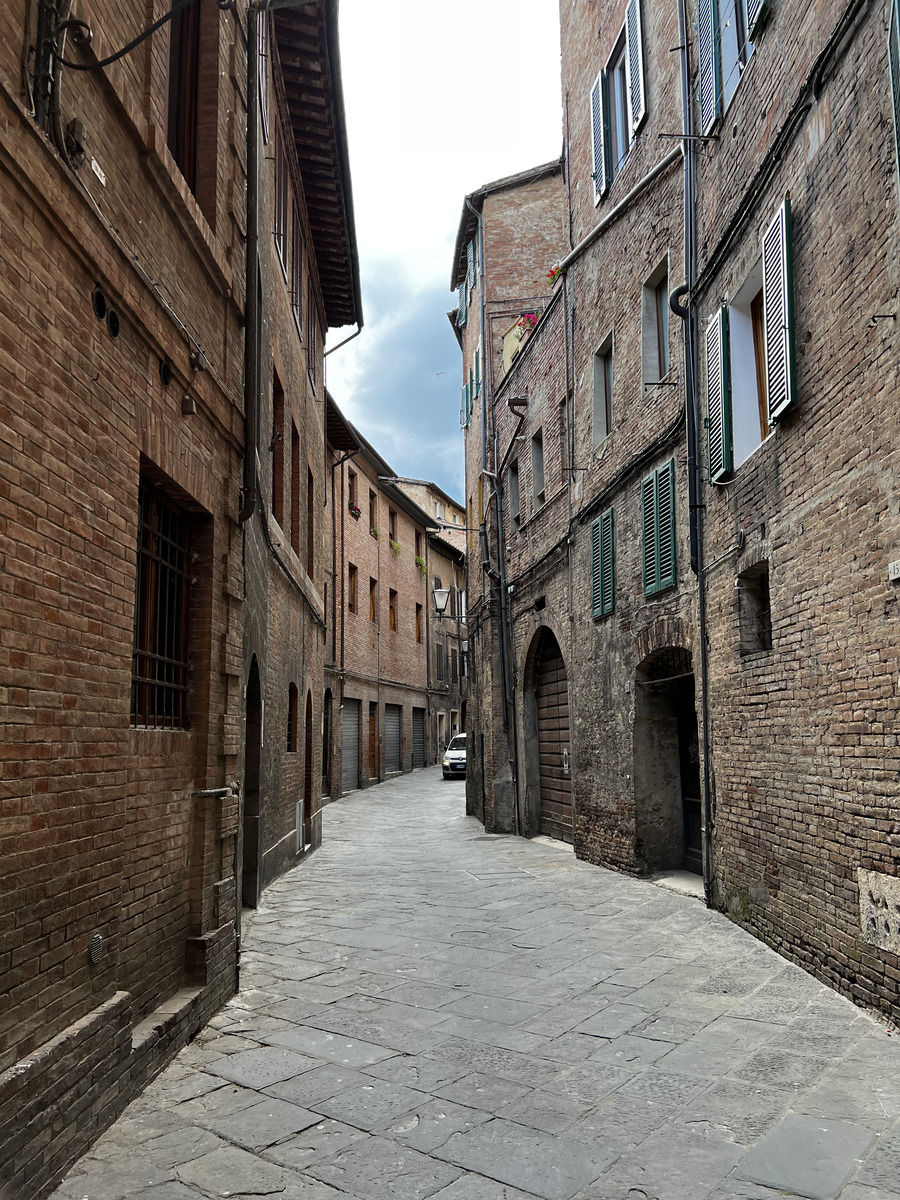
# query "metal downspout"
(688, 315)
(250, 489)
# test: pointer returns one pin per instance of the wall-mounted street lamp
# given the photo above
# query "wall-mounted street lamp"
(441, 600)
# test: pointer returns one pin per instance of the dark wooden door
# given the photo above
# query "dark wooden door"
(552, 699)
(689, 764)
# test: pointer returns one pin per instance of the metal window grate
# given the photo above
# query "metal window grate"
(159, 677)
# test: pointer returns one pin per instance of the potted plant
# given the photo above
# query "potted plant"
(374, 533)
(395, 548)
(420, 563)
(354, 510)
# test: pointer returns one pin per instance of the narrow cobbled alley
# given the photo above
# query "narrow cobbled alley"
(426, 1011)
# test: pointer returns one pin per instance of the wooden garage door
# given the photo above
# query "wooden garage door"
(552, 699)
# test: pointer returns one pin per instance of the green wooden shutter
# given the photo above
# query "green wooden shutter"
(470, 264)
(603, 564)
(665, 484)
(778, 314)
(461, 311)
(718, 398)
(598, 137)
(710, 67)
(648, 533)
(658, 529)
(634, 65)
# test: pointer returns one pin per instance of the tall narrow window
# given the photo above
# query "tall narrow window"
(439, 661)
(297, 270)
(282, 194)
(277, 450)
(310, 523)
(292, 719)
(184, 91)
(618, 102)
(312, 341)
(418, 543)
(352, 583)
(454, 665)
(418, 622)
(352, 491)
(373, 514)
(603, 386)
(373, 599)
(655, 326)
(159, 671)
(392, 525)
(537, 468)
(515, 495)
(295, 489)
(392, 609)
(263, 64)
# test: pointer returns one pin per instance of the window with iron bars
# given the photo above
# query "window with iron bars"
(160, 669)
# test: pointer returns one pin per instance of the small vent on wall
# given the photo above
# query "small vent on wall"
(98, 303)
(112, 323)
(95, 948)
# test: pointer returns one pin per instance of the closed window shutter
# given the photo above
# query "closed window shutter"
(464, 404)
(666, 517)
(470, 265)
(658, 529)
(602, 565)
(710, 72)
(718, 397)
(778, 314)
(461, 310)
(756, 10)
(648, 533)
(637, 92)
(598, 139)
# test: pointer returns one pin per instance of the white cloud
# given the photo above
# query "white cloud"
(440, 99)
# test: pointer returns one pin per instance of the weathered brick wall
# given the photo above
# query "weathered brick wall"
(101, 830)
(803, 746)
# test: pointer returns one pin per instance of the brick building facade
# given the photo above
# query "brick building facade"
(681, 459)
(392, 671)
(153, 595)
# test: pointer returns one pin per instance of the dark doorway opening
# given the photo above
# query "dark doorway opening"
(667, 789)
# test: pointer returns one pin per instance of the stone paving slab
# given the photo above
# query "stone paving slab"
(431, 1013)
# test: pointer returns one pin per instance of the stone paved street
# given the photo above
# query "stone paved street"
(429, 1011)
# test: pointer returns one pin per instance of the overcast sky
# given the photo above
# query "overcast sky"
(440, 99)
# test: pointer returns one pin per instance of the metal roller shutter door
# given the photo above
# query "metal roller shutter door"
(418, 737)
(392, 737)
(350, 746)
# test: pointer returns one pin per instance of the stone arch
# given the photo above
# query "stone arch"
(667, 791)
(548, 801)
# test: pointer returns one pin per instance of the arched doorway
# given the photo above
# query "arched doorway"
(667, 763)
(251, 821)
(549, 780)
(326, 744)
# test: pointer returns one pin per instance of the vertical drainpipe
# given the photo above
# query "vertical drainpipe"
(250, 491)
(497, 577)
(688, 314)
